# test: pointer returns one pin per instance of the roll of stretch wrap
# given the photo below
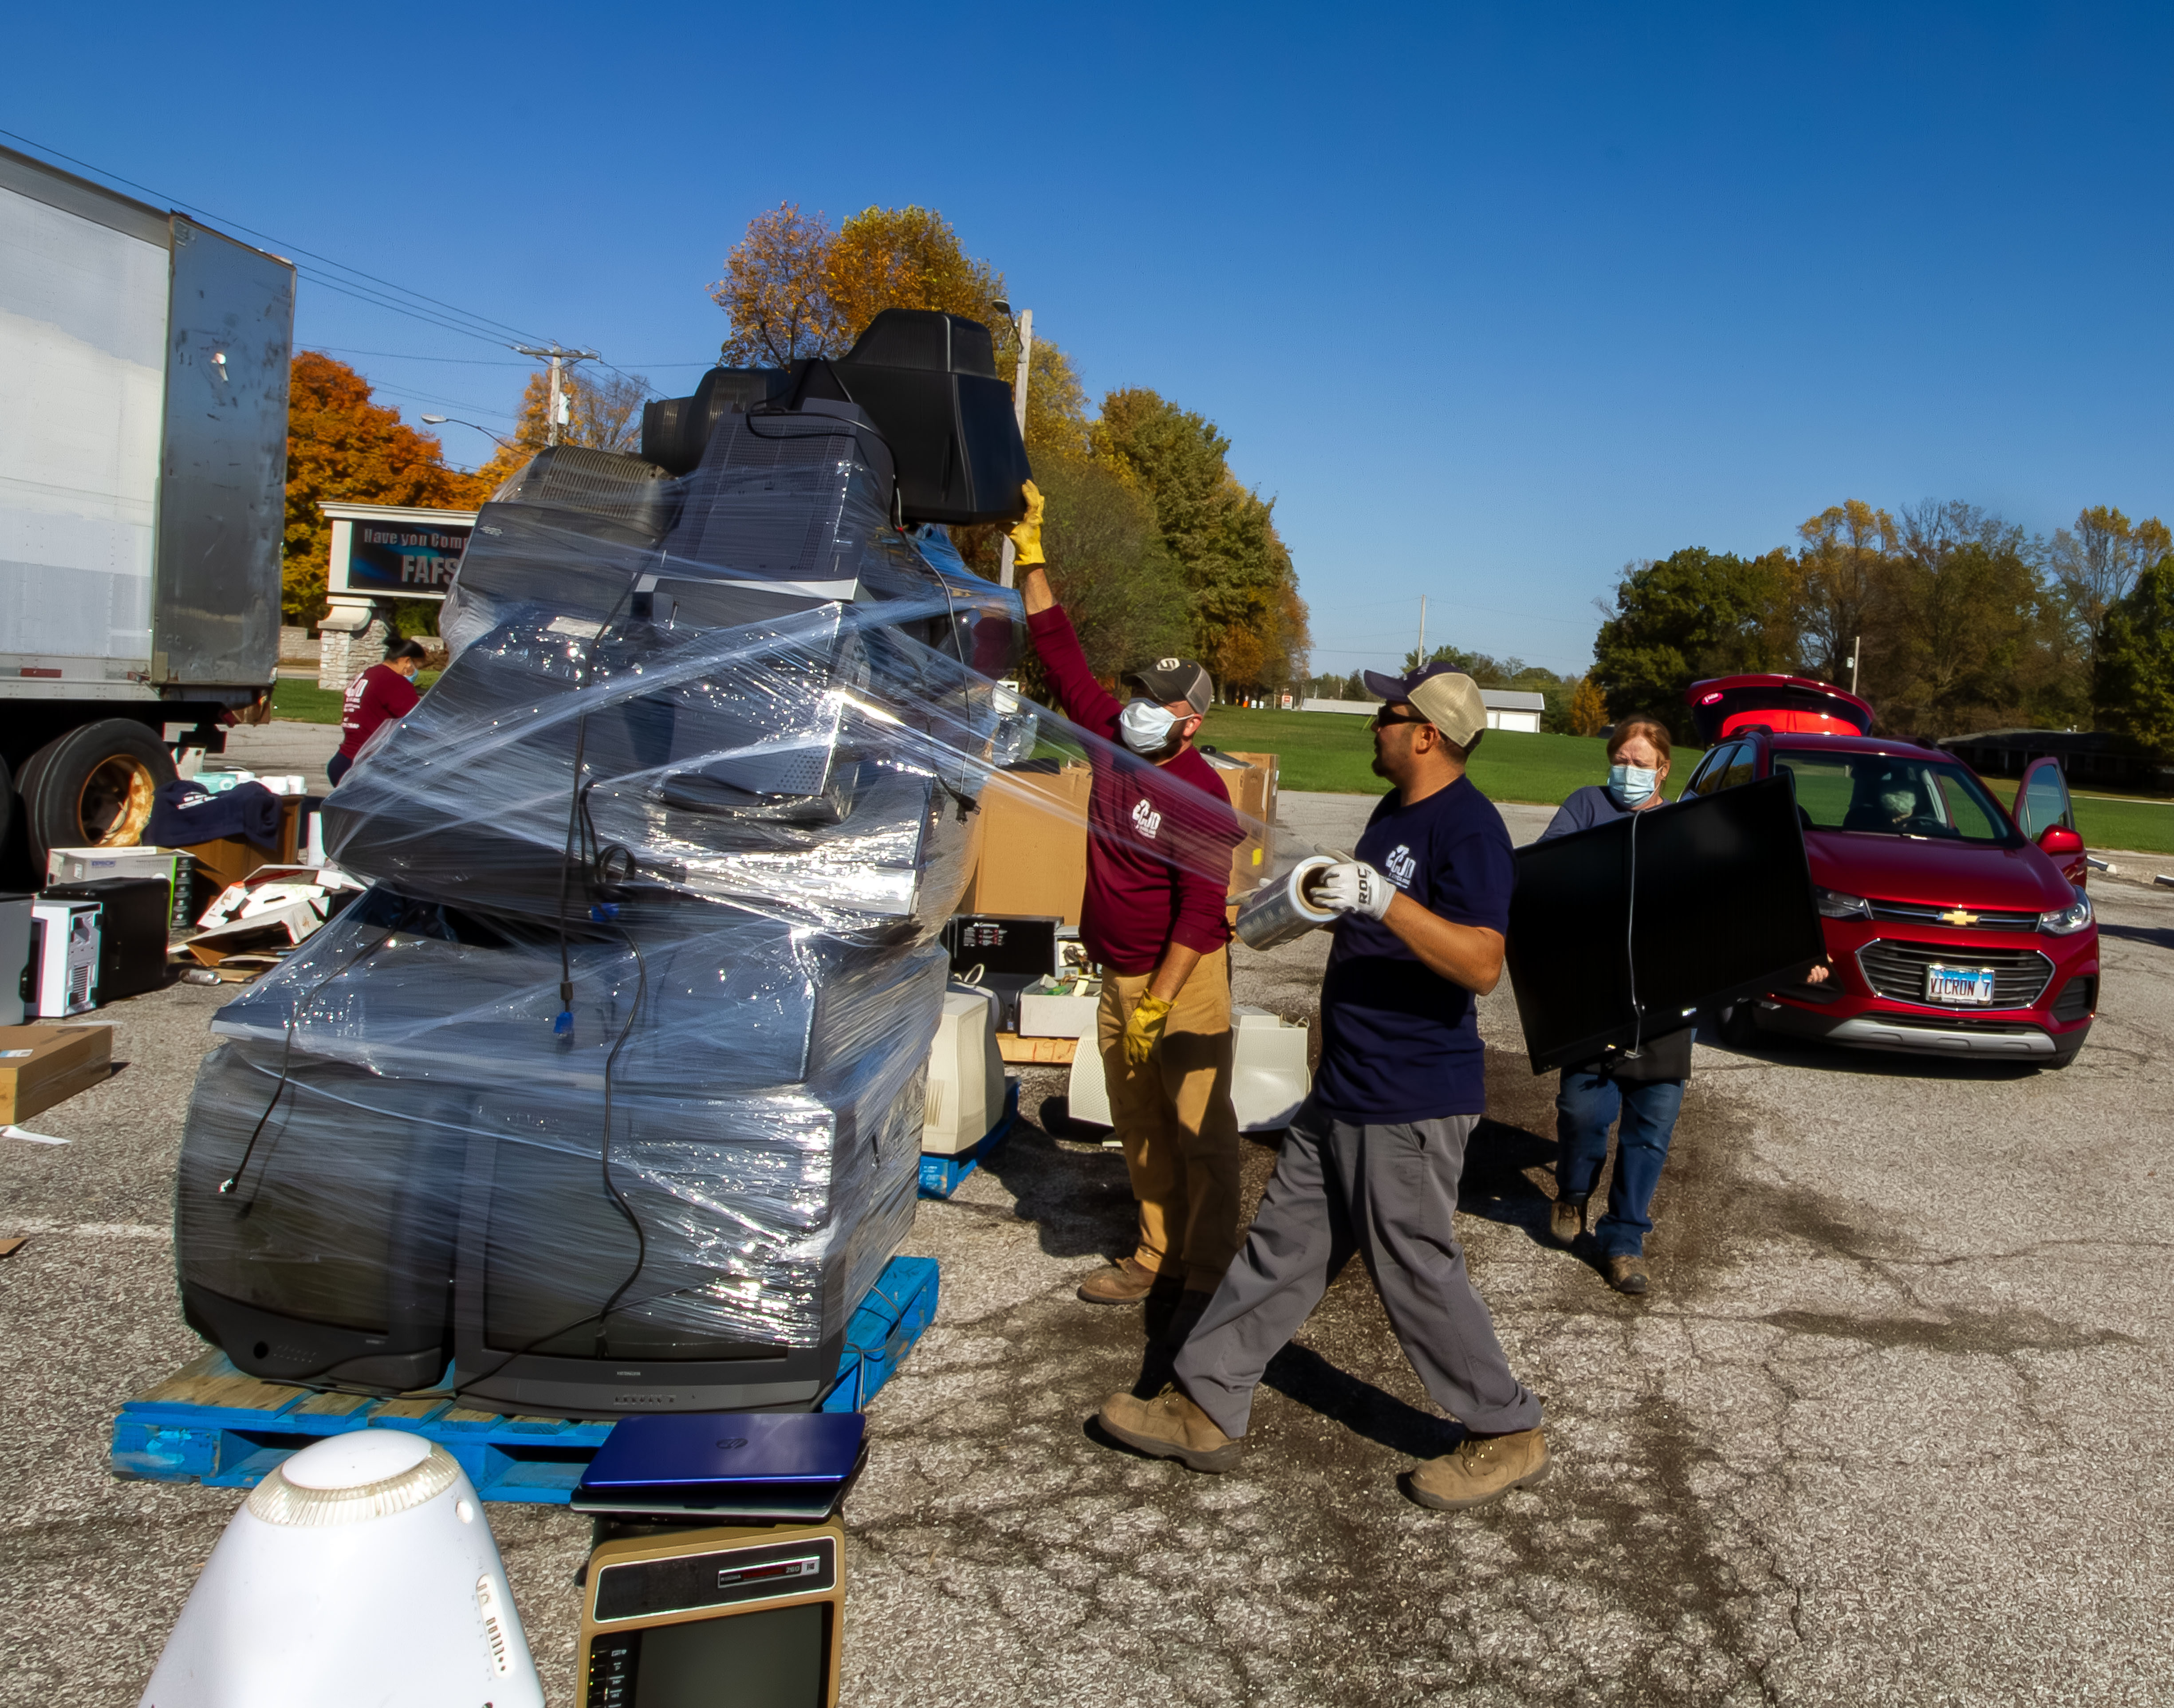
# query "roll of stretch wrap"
(1280, 912)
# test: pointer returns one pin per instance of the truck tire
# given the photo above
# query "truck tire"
(94, 787)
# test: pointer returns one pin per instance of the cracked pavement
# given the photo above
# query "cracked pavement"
(1886, 1431)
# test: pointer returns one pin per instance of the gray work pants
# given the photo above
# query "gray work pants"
(1388, 1192)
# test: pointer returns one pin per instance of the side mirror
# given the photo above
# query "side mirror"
(2060, 841)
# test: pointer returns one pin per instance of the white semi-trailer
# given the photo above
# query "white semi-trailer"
(143, 362)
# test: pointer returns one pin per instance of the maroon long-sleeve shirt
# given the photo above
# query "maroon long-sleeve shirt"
(1159, 837)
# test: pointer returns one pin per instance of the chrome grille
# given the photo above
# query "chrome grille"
(1896, 971)
(1910, 913)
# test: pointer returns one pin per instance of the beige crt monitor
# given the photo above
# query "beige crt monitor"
(729, 1618)
(965, 1076)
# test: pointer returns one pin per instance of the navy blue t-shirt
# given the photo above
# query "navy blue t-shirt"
(1399, 1042)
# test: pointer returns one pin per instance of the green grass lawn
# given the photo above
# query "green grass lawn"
(1333, 752)
(299, 698)
(2147, 826)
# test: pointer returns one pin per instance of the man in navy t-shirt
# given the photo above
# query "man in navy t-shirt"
(1372, 1162)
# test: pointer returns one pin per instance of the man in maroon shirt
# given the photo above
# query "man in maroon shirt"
(382, 692)
(1160, 833)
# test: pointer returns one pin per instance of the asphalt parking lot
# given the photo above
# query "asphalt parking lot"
(1888, 1431)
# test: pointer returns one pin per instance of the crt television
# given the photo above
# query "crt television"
(1629, 929)
(731, 1618)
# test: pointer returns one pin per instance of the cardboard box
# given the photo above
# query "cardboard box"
(60, 1062)
(1033, 858)
(1251, 783)
(232, 859)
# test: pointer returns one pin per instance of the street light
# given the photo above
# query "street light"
(441, 420)
(1023, 323)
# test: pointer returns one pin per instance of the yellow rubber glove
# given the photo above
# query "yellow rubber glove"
(1026, 532)
(1143, 1027)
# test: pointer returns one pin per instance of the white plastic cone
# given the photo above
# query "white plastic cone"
(359, 1574)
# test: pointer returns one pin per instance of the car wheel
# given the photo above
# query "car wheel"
(94, 787)
(1738, 1024)
(2064, 1052)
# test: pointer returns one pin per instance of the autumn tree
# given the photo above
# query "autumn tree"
(2097, 563)
(1588, 711)
(1839, 576)
(1249, 625)
(341, 445)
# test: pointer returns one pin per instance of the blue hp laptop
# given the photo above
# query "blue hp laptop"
(779, 1466)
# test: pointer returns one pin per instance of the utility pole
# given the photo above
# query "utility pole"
(555, 416)
(1856, 650)
(1018, 409)
(1423, 631)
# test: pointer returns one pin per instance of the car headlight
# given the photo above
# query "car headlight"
(2066, 922)
(1835, 905)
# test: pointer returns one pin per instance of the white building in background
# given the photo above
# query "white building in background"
(1507, 708)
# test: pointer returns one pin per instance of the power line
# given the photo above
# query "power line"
(403, 356)
(365, 287)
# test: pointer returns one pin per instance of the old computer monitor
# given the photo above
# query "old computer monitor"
(728, 1618)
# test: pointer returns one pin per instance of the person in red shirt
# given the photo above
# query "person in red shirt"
(382, 692)
(1160, 833)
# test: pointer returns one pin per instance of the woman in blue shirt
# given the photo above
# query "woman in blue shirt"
(1647, 1089)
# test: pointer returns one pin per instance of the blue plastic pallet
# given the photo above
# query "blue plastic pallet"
(210, 1423)
(941, 1176)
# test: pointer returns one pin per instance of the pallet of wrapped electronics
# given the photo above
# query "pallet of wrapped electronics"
(210, 1423)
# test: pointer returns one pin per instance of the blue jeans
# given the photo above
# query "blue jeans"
(1586, 1107)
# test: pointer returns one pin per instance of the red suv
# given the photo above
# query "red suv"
(1956, 927)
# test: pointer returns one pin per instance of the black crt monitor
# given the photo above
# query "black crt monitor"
(1628, 930)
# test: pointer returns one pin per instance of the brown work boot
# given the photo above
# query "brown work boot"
(1126, 1282)
(1170, 1426)
(1567, 1220)
(1629, 1275)
(1479, 1469)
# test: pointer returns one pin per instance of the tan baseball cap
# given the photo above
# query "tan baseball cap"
(1445, 698)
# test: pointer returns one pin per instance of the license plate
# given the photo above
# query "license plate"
(1959, 986)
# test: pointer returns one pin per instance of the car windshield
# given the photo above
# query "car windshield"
(1893, 796)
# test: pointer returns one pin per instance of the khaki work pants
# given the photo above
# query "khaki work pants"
(1175, 1120)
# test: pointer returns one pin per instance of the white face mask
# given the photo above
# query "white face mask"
(1146, 727)
(1632, 785)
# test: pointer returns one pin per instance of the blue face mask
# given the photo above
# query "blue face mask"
(1632, 785)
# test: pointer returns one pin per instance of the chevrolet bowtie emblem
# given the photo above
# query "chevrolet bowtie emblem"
(1956, 915)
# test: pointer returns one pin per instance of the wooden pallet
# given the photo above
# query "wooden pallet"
(1036, 1052)
(941, 1176)
(210, 1423)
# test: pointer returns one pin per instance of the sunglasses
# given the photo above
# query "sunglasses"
(1385, 717)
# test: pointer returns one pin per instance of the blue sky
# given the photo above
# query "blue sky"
(1490, 299)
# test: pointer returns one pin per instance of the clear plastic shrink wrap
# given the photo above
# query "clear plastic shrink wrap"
(608, 1096)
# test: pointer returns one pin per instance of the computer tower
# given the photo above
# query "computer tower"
(132, 931)
(64, 970)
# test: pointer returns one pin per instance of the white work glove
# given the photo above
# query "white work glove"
(1355, 887)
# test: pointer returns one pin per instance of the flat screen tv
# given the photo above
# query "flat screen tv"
(1627, 931)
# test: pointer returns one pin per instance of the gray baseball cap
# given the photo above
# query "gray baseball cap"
(1174, 679)
(1443, 695)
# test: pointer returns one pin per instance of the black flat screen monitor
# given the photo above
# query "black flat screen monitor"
(1629, 929)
